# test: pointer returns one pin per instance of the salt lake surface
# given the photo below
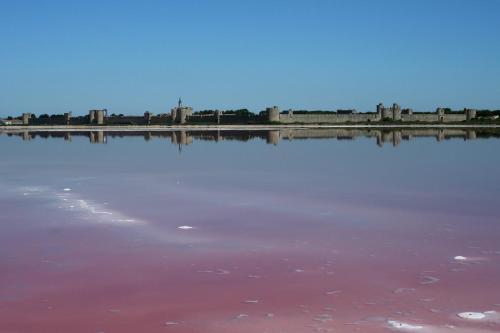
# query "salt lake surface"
(291, 231)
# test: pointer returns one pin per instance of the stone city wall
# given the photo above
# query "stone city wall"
(328, 118)
(433, 117)
(366, 117)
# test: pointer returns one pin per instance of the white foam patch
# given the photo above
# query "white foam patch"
(423, 328)
(185, 227)
(427, 279)
(86, 209)
(403, 326)
(490, 316)
(472, 260)
(472, 315)
(251, 301)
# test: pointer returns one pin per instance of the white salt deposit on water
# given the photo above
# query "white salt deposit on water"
(403, 326)
(87, 209)
(124, 220)
(185, 227)
(222, 271)
(429, 280)
(241, 316)
(472, 315)
(402, 290)
(460, 258)
(251, 301)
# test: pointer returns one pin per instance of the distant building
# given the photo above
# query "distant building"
(98, 116)
(180, 114)
(10, 122)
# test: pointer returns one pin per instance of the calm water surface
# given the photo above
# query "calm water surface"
(278, 233)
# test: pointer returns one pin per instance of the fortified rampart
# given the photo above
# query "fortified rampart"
(391, 114)
(329, 118)
(184, 115)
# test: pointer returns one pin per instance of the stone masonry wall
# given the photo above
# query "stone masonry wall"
(328, 118)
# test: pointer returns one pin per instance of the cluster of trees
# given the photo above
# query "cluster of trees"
(340, 111)
(238, 112)
(487, 113)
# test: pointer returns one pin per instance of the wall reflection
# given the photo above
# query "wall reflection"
(381, 137)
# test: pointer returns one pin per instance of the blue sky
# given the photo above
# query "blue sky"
(132, 56)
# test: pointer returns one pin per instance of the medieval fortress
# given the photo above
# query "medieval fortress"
(184, 115)
(394, 113)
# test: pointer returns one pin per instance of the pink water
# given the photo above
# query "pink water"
(315, 236)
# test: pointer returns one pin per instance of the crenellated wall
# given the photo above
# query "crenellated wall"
(433, 117)
(328, 118)
(393, 113)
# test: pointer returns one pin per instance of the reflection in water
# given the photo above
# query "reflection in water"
(313, 235)
(183, 138)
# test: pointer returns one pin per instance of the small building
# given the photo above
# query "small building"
(10, 122)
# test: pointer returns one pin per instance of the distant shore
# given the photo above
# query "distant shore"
(70, 128)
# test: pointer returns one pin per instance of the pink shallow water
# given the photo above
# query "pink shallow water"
(108, 256)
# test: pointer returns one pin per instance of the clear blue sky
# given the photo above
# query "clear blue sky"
(131, 56)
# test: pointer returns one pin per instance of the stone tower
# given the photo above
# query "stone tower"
(97, 116)
(273, 114)
(147, 117)
(67, 118)
(91, 116)
(180, 113)
(380, 108)
(26, 118)
(470, 114)
(440, 114)
(396, 112)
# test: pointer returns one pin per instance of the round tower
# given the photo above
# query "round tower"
(100, 117)
(470, 114)
(380, 108)
(183, 113)
(26, 118)
(147, 117)
(173, 114)
(92, 116)
(396, 112)
(273, 114)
